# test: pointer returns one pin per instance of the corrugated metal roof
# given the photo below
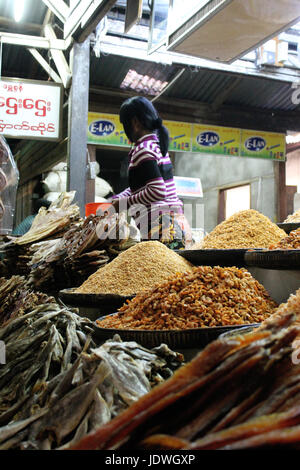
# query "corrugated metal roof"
(196, 84)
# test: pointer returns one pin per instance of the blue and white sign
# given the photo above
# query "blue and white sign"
(102, 128)
(208, 138)
(255, 144)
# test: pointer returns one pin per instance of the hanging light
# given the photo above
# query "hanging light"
(18, 10)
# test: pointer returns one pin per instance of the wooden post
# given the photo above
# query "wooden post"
(280, 171)
(78, 121)
(90, 184)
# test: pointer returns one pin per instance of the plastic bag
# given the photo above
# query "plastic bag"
(9, 179)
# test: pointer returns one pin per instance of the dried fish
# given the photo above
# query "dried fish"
(60, 377)
(197, 407)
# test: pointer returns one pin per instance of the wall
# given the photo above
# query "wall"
(219, 172)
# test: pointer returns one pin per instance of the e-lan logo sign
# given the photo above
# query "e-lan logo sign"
(208, 139)
(255, 144)
(102, 128)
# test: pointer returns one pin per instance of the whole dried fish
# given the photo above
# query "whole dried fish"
(64, 380)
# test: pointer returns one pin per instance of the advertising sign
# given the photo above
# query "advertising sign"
(216, 140)
(263, 145)
(106, 129)
(30, 109)
(180, 135)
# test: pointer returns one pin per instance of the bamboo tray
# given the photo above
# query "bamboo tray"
(288, 227)
(180, 339)
(223, 258)
(76, 299)
(273, 259)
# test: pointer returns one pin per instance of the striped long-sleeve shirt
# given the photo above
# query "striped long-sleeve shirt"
(150, 175)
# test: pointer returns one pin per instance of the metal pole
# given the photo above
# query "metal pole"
(78, 121)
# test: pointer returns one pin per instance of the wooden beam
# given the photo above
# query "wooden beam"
(56, 78)
(33, 41)
(59, 8)
(281, 195)
(59, 58)
(91, 184)
(85, 17)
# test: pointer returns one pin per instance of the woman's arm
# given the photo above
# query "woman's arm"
(123, 194)
(154, 190)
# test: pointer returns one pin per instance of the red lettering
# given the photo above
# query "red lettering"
(28, 103)
(11, 103)
(2, 101)
(40, 105)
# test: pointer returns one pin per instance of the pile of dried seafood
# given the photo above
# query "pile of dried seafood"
(204, 297)
(17, 300)
(290, 242)
(62, 250)
(84, 249)
(49, 224)
(56, 385)
(242, 391)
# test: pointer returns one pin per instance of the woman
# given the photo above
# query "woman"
(150, 173)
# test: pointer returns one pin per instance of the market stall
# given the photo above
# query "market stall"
(109, 341)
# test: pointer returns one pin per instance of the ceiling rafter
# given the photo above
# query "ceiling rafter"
(45, 65)
(59, 8)
(59, 58)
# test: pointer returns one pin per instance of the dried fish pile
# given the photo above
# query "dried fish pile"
(84, 249)
(245, 229)
(240, 392)
(206, 297)
(136, 270)
(49, 224)
(289, 242)
(17, 300)
(293, 218)
(56, 385)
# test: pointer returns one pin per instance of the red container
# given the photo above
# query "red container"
(91, 207)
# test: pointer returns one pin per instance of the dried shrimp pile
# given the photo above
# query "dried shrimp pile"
(208, 296)
(245, 229)
(137, 269)
(290, 242)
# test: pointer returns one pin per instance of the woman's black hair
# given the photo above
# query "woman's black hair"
(145, 112)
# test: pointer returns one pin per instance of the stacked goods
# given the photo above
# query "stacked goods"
(289, 242)
(84, 249)
(245, 229)
(56, 385)
(55, 220)
(205, 297)
(293, 218)
(49, 224)
(240, 392)
(137, 269)
(17, 300)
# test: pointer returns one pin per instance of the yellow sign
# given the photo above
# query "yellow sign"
(180, 135)
(106, 129)
(263, 145)
(216, 140)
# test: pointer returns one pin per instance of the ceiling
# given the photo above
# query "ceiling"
(237, 95)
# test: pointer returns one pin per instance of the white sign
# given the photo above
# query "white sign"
(30, 109)
(188, 187)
